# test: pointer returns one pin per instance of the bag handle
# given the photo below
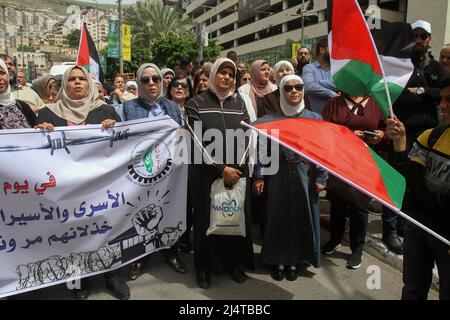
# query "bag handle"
(206, 152)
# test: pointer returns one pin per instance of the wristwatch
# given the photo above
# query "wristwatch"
(420, 90)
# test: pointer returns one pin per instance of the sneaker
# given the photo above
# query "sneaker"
(354, 261)
(330, 247)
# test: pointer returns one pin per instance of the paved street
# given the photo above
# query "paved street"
(331, 281)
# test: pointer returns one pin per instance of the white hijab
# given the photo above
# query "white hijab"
(277, 67)
(286, 108)
(7, 98)
(221, 63)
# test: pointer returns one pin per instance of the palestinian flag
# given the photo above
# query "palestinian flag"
(360, 57)
(88, 57)
(339, 151)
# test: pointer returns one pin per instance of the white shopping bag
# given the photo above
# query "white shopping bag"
(227, 215)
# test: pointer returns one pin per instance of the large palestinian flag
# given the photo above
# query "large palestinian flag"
(339, 151)
(88, 56)
(360, 56)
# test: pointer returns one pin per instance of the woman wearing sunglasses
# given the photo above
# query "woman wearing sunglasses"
(179, 91)
(219, 109)
(364, 117)
(152, 104)
(292, 233)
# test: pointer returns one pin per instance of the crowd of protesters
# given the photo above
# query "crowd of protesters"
(223, 93)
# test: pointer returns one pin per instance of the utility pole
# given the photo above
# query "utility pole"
(303, 20)
(21, 45)
(200, 40)
(6, 31)
(98, 39)
(120, 36)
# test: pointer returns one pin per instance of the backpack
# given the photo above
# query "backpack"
(436, 133)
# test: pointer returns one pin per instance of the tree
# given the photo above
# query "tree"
(169, 50)
(74, 38)
(151, 18)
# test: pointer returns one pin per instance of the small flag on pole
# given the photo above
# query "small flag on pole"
(88, 57)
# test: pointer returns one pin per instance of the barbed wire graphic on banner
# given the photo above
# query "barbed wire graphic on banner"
(56, 268)
(62, 142)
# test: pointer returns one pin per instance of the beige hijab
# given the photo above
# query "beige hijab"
(76, 111)
(219, 64)
(40, 86)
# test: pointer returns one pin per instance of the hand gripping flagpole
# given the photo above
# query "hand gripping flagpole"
(393, 208)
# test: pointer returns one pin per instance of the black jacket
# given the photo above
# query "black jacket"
(419, 112)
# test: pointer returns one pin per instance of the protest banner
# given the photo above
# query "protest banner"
(80, 201)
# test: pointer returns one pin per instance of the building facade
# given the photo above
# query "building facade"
(263, 28)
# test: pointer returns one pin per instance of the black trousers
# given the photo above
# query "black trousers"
(420, 252)
(339, 210)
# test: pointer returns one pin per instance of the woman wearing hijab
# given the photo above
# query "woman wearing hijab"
(272, 100)
(131, 87)
(14, 114)
(79, 104)
(219, 108)
(151, 104)
(258, 86)
(167, 76)
(42, 87)
(364, 117)
(292, 232)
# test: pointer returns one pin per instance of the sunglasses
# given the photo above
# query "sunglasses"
(246, 79)
(423, 36)
(155, 79)
(289, 88)
(183, 85)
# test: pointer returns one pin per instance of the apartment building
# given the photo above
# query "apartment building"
(262, 28)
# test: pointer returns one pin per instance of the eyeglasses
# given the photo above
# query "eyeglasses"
(289, 88)
(423, 36)
(155, 79)
(183, 85)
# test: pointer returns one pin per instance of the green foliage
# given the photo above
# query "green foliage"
(151, 18)
(169, 51)
(213, 50)
(74, 38)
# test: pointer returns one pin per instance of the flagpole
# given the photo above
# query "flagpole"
(393, 208)
(386, 88)
(81, 38)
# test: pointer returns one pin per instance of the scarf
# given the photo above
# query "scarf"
(7, 98)
(259, 87)
(213, 86)
(145, 98)
(40, 86)
(286, 108)
(76, 111)
(277, 68)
